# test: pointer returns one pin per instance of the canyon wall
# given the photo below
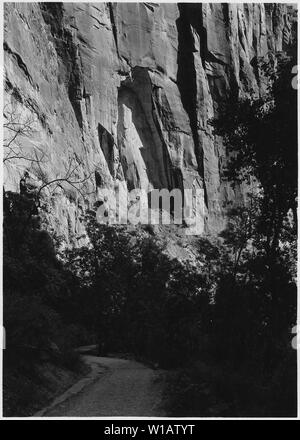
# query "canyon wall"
(123, 92)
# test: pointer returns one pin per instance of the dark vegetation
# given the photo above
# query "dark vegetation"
(222, 326)
(40, 333)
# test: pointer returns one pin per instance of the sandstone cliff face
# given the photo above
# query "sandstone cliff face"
(124, 92)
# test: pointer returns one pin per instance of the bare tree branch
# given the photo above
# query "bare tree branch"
(17, 127)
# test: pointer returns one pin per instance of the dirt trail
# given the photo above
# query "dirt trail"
(115, 387)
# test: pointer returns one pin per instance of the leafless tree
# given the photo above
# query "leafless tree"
(14, 130)
(70, 178)
(17, 128)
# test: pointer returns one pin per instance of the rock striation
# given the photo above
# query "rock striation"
(123, 92)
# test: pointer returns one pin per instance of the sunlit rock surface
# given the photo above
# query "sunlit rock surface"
(124, 92)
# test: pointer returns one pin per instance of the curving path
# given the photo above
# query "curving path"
(114, 387)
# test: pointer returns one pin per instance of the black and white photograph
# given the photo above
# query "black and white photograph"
(149, 212)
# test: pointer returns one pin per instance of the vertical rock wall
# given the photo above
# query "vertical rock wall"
(124, 92)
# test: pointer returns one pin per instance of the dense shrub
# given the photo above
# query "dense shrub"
(144, 301)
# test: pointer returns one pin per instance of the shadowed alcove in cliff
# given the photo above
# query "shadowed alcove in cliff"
(142, 151)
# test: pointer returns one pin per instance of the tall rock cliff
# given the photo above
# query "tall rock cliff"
(124, 92)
